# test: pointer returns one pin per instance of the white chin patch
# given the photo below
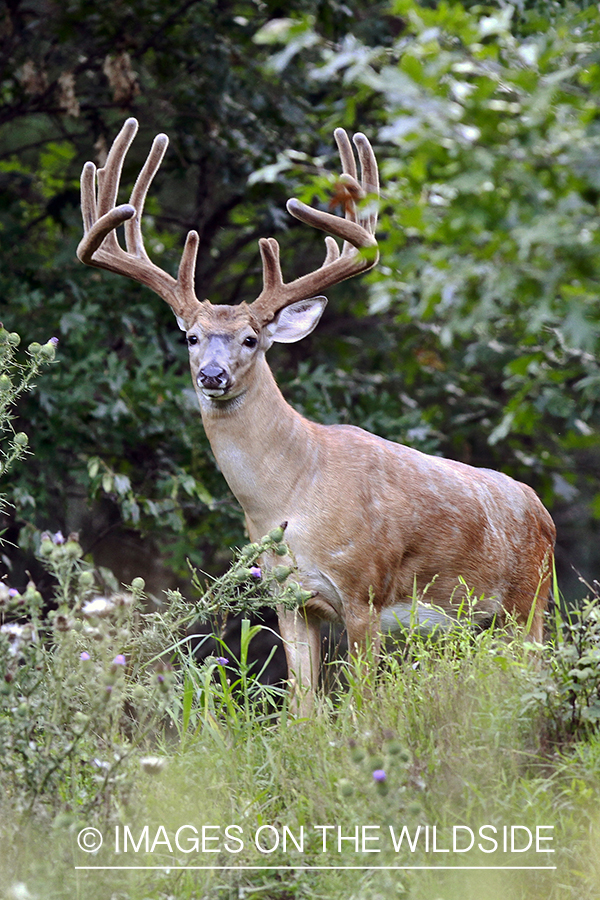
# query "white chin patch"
(213, 392)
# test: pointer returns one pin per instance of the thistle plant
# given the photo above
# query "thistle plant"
(248, 585)
(88, 686)
(77, 697)
(225, 688)
(17, 377)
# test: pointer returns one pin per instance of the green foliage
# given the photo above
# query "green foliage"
(441, 738)
(79, 693)
(488, 127)
(478, 336)
(115, 405)
(211, 699)
(567, 689)
(101, 672)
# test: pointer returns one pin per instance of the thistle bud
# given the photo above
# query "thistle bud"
(34, 348)
(138, 584)
(395, 748)
(276, 534)
(242, 574)
(46, 547)
(21, 439)
(357, 755)
(86, 579)
(73, 549)
(280, 573)
(33, 596)
(345, 787)
(249, 550)
(380, 779)
(14, 339)
(48, 350)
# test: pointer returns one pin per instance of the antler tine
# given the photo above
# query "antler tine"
(187, 265)
(332, 251)
(269, 252)
(357, 233)
(109, 176)
(369, 174)
(349, 178)
(104, 209)
(101, 216)
(99, 246)
(89, 210)
(133, 230)
(346, 155)
(98, 230)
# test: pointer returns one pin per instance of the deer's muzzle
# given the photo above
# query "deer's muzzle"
(213, 378)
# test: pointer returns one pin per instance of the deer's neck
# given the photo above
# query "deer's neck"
(262, 446)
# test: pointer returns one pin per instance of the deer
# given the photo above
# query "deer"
(370, 523)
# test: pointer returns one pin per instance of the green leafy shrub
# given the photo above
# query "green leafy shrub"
(90, 684)
(79, 692)
(567, 687)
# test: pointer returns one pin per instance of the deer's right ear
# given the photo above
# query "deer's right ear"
(296, 321)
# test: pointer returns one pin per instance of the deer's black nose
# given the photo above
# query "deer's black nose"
(212, 376)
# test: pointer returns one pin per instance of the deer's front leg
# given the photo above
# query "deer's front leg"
(301, 634)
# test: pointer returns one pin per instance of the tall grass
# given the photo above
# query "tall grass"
(448, 737)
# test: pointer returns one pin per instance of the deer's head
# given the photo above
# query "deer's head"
(226, 341)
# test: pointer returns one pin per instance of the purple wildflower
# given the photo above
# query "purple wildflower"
(84, 656)
(222, 660)
(160, 678)
(255, 571)
(119, 660)
(13, 592)
(379, 775)
(58, 538)
(53, 340)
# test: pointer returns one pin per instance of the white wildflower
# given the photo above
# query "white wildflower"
(152, 764)
(17, 636)
(99, 606)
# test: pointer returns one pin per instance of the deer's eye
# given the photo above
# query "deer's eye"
(192, 339)
(250, 342)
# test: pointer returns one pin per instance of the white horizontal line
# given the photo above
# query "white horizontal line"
(312, 868)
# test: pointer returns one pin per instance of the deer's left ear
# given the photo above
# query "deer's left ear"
(296, 321)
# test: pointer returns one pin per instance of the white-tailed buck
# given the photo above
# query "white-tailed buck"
(369, 521)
